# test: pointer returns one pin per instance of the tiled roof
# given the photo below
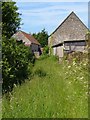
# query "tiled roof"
(31, 38)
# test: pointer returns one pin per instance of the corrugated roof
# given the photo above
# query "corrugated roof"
(30, 37)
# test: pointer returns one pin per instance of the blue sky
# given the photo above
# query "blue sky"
(49, 15)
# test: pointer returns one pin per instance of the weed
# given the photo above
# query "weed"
(40, 72)
(55, 91)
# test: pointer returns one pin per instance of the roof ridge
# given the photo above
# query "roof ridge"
(66, 19)
(33, 40)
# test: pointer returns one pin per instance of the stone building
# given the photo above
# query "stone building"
(69, 36)
(28, 40)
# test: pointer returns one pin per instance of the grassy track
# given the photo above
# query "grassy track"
(0, 109)
(55, 91)
(0, 101)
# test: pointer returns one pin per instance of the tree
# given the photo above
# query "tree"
(10, 18)
(16, 57)
(42, 37)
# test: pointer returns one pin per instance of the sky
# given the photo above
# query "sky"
(49, 15)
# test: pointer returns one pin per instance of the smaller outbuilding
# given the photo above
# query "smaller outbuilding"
(28, 40)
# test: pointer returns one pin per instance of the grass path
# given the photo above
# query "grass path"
(0, 100)
(0, 109)
(55, 91)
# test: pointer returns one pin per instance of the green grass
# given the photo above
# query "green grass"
(0, 108)
(0, 101)
(55, 91)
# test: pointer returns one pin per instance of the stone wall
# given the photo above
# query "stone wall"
(19, 36)
(71, 29)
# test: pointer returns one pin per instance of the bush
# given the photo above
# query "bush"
(15, 60)
(76, 56)
(55, 58)
(40, 72)
(42, 57)
(46, 50)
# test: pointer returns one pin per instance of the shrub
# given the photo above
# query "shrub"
(15, 60)
(55, 58)
(40, 72)
(75, 56)
(46, 50)
(42, 57)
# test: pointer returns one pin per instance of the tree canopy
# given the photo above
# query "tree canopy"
(16, 57)
(10, 18)
(42, 37)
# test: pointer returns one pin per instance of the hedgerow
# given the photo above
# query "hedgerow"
(15, 60)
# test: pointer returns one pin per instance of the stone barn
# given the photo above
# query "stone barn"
(28, 40)
(69, 36)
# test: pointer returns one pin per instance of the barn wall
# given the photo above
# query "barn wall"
(75, 46)
(58, 51)
(54, 51)
(34, 47)
(19, 36)
(49, 41)
(78, 48)
(71, 29)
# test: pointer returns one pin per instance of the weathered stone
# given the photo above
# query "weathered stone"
(72, 31)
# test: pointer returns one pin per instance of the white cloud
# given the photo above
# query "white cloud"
(51, 16)
(55, 10)
(52, 12)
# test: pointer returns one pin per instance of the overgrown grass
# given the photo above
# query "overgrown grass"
(0, 101)
(0, 109)
(55, 91)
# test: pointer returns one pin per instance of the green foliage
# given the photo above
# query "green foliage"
(62, 93)
(40, 72)
(42, 37)
(16, 58)
(76, 56)
(10, 18)
(46, 50)
(43, 57)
